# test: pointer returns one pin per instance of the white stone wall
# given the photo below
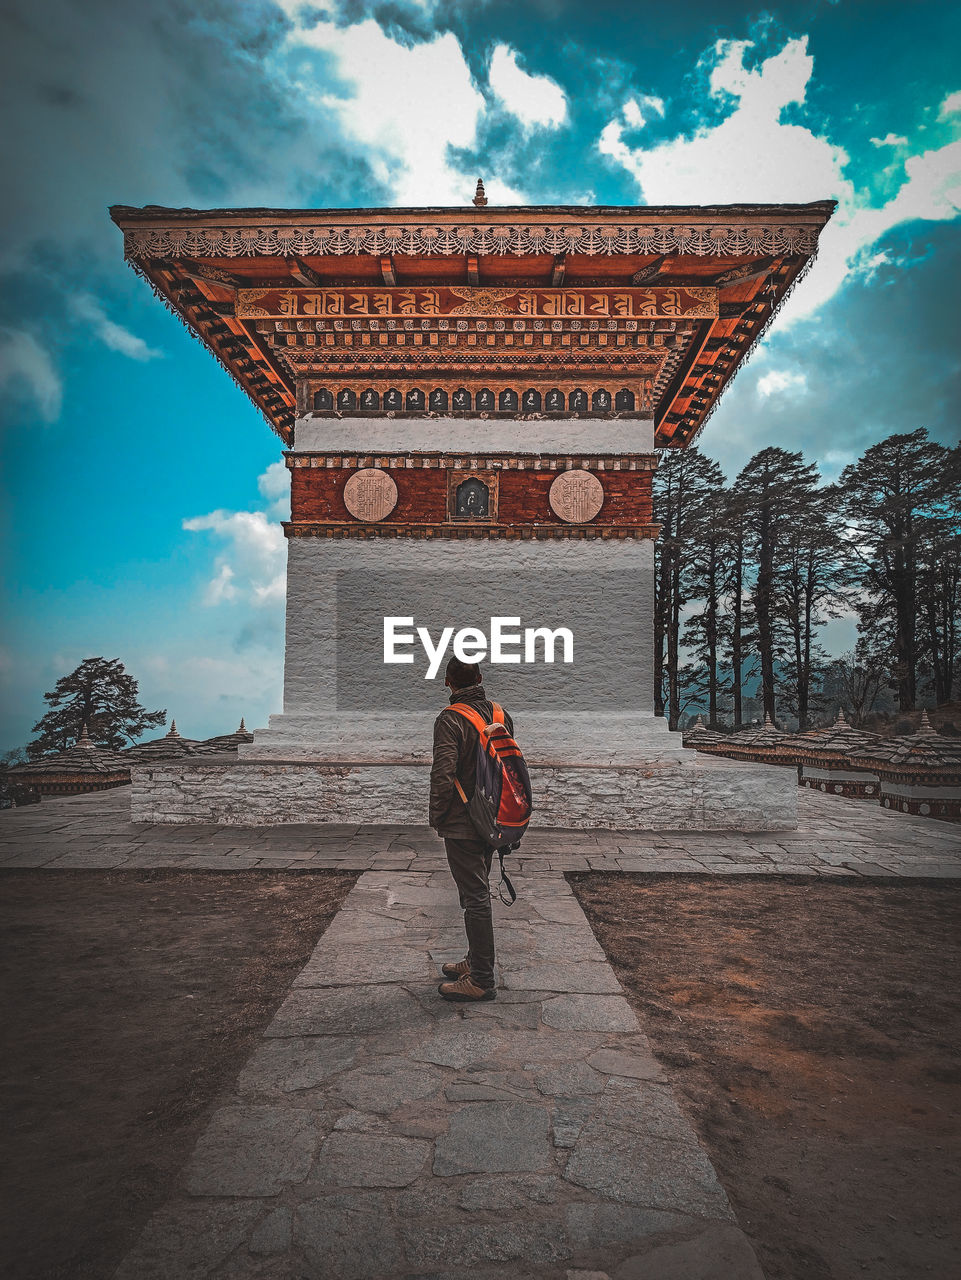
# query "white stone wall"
(474, 435)
(406, 738)
(599, 709)
(700, 794)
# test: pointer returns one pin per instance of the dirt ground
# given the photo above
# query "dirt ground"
(812, 1032)
(130, 999)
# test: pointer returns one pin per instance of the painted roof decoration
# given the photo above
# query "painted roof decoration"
(634, 311)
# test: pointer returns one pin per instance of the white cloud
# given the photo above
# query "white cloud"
(637, 111)
(779, 381)
(221, 586)
(535, 100)
(274, 485)
(27, 367)
(409, 105)
(752, 155)
(950, 106)
(112, 335)
(931, 192)
(890, 140)
(252, 567)
(634, 114)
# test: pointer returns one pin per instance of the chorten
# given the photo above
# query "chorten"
(472, 402)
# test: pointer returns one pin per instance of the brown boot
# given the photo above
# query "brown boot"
(465, 989)
(459, 969)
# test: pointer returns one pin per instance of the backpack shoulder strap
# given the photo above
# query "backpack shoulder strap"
(475, 718)
(498, 716)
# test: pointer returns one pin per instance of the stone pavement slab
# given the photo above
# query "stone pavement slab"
(835, 836)
(378, 1132)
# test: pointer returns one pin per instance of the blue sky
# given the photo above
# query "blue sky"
(142, 492)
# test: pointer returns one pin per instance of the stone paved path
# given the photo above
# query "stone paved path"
(835, 837)
(379, 1132)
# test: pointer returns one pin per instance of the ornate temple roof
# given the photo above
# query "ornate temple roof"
(84, 758)
(837, 739)
(165, 748)
(699, 735)
(631, 311)
(225, 741)
(763, 735)
(924, 754)
(173, 744)
(763, 743)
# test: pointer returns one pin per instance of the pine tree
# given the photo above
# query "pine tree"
(939, 586)
(101, 695)
(741, 636)
(710, 547)
(774, 487)
(899, 498)
(809, 588)
(683, 481)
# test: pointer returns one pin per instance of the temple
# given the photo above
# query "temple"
(472, 401)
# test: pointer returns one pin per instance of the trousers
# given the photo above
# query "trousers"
(470, 865)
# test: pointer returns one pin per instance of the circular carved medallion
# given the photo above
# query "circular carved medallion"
(576, 496)
(370, 494)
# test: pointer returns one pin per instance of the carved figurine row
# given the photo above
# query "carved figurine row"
(347, 400)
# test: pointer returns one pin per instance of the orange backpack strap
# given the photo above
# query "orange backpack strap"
(475, 717)
(479, 723)
(498, 713)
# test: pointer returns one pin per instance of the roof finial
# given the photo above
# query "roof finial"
(85, 740)
(172, 731)
(480, 199)
(926, 726)
(243, 727)
(842, 719)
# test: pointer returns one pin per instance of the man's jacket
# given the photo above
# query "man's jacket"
(455, 741)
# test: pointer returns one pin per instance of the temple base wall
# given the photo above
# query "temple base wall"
(339, 591)
(698, 794)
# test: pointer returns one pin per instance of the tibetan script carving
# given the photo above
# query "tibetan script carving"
(576, 496)
(669, 303)
(370, 494)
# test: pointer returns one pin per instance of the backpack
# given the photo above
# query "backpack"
(501, 805)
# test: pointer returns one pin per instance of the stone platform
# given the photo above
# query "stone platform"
(380, 1133)
(697, 793)
(835, 837)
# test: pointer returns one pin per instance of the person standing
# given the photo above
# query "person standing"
(469, 858)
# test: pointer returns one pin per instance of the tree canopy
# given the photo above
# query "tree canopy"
(747, 576)
(100, 694)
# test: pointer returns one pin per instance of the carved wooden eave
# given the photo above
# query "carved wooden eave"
(739, 260)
